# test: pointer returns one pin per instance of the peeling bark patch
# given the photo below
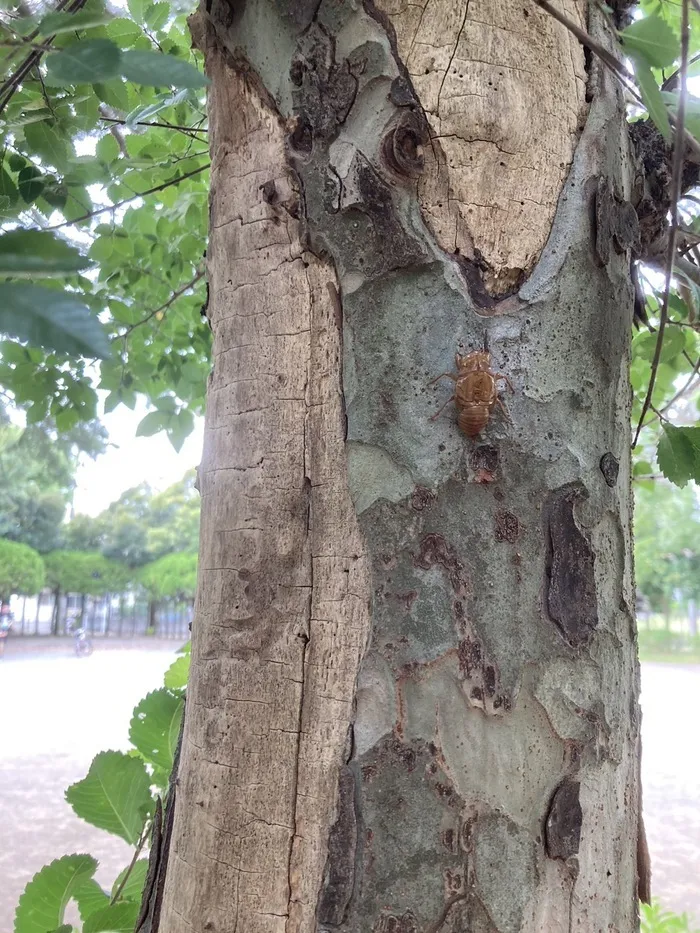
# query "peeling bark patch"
(342, 843)
(616, 223)
(610, 468)
(563, 824)
(435, 550)
(484, 462)
(507, 526)
(422, 498)
(390, 923)
(570, 577)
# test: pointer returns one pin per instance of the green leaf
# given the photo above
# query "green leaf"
(164, 101)
(114, 796)
(156, 70)
(31, 183)
(155, 727)
(133, 887)
(116, 918)
(136, 8)
(56, 23)
(53, 319)
(644, 344)
(37, 252)
(678, 454)
(46, 143)
(652, 39)
(177, 674)
(153, 422)
(114, 93)
(90, 897)
(8, 189)
(651, 95)
(157, 14)
(85, 62)
(43, 903)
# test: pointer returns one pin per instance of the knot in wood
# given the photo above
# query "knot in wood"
(402, 147)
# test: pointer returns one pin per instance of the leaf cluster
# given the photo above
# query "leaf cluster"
(103, 206)
(119, 795)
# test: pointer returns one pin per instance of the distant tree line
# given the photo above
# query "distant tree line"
(145, 541)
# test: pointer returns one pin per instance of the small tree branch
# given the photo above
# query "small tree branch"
(165, 126)
(676, 182)
(164, 307)
(137, 851)
(15, 79)
(135, 197)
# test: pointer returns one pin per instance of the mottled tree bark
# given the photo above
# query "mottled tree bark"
(413, 700)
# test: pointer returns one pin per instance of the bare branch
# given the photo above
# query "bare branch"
(135, 197)
(164, 307)
(676, 183)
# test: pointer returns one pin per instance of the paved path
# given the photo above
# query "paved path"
(671, 782)
(58, 711)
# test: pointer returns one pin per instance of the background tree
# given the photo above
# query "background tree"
(36, 483)
(21, 570)
(173, 577)
(85, 573)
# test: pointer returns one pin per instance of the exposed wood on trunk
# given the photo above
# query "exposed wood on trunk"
(503, 88)
(282, 611)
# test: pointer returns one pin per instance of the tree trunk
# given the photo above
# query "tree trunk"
(55, 611)
(152, 608)
(413, 697)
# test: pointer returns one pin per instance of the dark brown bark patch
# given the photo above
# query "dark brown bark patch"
(570, 570)
(563, 824)
(434, 549)
(342, 844)
(610, 468)
(390, 923)
(507, 526)
(616, 223)
(484, 462)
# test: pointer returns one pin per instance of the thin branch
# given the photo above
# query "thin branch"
(135, 197)
(586, 39)
(166, 126)
(164, 307)
(137, 851)
(676, 182)
(15, 79)
(670, 82)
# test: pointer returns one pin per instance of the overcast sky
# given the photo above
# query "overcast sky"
(131, 460)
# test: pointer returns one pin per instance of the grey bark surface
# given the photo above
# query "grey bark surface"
(413, 705)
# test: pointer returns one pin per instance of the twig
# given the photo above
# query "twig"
(130, 867)
(173, 298)
(676, 181)
(140, 194)
(166, 126)
(669, 83)
(15, 79)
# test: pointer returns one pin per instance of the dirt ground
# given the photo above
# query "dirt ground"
(58, 711)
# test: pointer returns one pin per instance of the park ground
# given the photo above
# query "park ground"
(58, 711)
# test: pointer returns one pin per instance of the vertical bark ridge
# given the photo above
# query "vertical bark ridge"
(281, 616)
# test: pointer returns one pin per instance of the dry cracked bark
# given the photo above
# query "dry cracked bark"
(413, 702)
